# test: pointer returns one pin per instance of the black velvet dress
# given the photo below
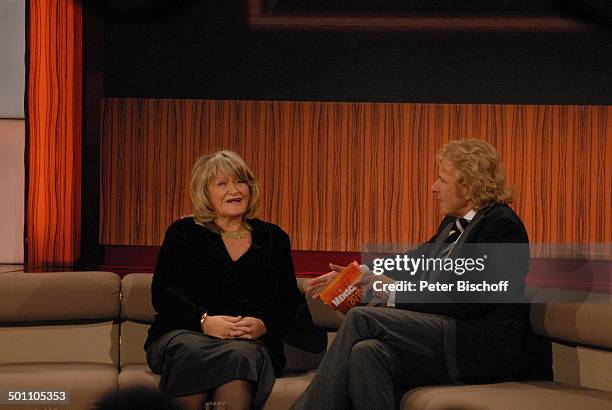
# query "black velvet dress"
(195, 274)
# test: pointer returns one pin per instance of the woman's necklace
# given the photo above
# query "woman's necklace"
(239, 234)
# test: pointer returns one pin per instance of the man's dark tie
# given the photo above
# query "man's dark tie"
(457, 230)
(453, 235)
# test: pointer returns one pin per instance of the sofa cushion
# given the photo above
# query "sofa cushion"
(287, 390)
(504, 396)
(85, 383)
(137, 375)
(299, 360)
(69, 343)
(133, 336)
(136, 298)
(38, 297)
(582, 366)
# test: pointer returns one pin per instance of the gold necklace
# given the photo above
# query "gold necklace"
(239, 234)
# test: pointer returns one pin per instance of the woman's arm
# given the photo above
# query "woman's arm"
(170, 299)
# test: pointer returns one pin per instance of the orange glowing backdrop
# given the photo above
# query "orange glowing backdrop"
(53, 150)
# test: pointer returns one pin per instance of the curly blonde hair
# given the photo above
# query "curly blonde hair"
(205, 169)
(478, 167)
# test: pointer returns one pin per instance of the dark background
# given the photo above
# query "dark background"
(206, 49)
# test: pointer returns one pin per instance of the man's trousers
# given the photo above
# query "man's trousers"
(378, 351)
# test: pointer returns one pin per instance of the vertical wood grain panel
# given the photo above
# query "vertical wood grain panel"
(338, 176)
(54, 105)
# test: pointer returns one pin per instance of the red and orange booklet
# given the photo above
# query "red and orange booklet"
(342, 294)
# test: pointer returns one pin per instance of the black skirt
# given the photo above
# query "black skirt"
(192, 363)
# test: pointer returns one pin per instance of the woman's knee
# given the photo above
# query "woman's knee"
(246, 352)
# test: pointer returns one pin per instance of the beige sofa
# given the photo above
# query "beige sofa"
(582, 367)
(59, 332)
(83, 332)
(581, 337)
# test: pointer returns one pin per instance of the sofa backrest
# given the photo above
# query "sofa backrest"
(67, 317)
(137, 314)
(582, 351)
(587, 324)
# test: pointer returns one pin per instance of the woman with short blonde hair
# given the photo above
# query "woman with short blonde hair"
(205, 169)
(224, 290)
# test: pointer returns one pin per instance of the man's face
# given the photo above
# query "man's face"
(454, 200)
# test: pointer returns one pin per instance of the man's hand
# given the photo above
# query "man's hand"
(250, 328)
(336, 268)
(222, 327)
(314, 287)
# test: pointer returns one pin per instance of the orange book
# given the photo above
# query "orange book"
(341, 294)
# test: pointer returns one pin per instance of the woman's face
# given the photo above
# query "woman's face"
(229, 196)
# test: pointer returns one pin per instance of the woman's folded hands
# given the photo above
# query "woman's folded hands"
(229, 327)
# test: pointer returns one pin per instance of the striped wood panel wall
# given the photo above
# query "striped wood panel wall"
(337, 176)
(53, 133)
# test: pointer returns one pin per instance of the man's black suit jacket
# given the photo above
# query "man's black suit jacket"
(493, 341)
